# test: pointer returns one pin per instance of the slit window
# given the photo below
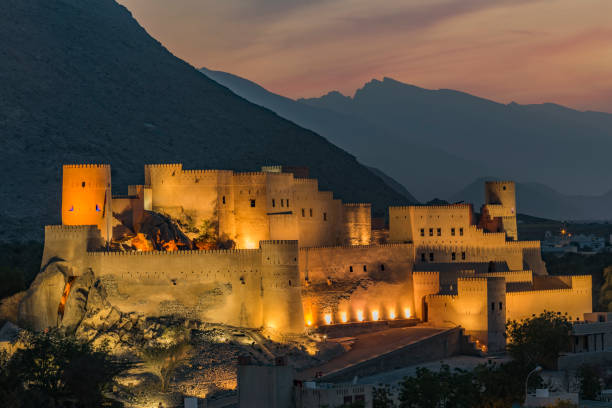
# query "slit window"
(501, 305)
(453, 256)
(351, 268)
(431, 232)
(223, 199)
(303, 212)
(439, 231)
(282, 202)
(492, 305)
(83, 184)
(365, 268)
(453, 232)
(324, 216)
(463, 256)
(422, 232)
(431, 257)
(311, 212)
(287, 202)
(273, 203)
(461, 231)
(252, 203)
(382, 267)
(423, 257)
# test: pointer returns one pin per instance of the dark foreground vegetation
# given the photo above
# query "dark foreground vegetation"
(536, 341)
(52, 370)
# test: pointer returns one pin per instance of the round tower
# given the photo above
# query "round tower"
(500, 200)
(86, 196)
(282, 297)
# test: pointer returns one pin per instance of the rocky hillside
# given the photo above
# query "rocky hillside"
(81, 81)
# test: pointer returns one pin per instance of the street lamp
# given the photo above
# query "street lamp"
(535, 370)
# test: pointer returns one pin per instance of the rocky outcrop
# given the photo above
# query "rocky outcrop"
(39, 307)
(57, 298)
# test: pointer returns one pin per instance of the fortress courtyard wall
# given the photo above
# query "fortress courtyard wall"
(573, 301)
(356, 283)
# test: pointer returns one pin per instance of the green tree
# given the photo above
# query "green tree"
(56, 370)
(590, 385)
(605, 293)
(442, 389)
(382, 397)
(538, 340)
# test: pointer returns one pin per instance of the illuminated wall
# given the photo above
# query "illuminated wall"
(254, 206)
(86, 196)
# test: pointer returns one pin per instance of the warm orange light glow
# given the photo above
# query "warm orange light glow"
(407, 312)
(375, 315)
(328, 318)
(563, 232)
(392, 314)
(343, 317)
(141, 243)
(360, 315)
(170, 246)
(308, 322)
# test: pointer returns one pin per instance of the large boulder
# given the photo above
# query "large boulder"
(39, 307)
(76, 302)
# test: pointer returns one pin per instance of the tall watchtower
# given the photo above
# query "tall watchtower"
(500, 201)
(86, 196)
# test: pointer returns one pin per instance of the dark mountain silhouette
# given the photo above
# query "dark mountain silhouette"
(547, 143)
(542, 201)
(81, 81)
(421, 169)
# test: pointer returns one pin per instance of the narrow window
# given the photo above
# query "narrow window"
(439, 231)
(351, 268)
(431, 257)
(453, 232)
(252, 203)
(463, 256)
(287, 202)
(501, 305)
(282, 202)
(311, 212)
(324, 216)
(273, 203)
(223, 199)
(453, 256)
(492, 305)
(382, 267)
(431, 232)
(303, 212)
(422, 232)
(83, 184)
(461, 231)
(97, 208)
(423, 257)
(365, 268)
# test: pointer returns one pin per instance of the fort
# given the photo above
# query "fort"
(268, 249)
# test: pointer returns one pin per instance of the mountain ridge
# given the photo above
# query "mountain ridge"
(83, 82)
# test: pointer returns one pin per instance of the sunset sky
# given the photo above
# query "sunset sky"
(528, 51)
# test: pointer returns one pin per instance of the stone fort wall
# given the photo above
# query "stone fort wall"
(244, 287)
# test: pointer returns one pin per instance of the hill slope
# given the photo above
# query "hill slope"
(423, 170)
(81, 81)
(550, 144)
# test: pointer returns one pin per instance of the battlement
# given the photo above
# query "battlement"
(86, 166)
(425, 207)
(425, 273)
(371, 246)
(186, 252)
(499, 182)
(164, 166)
(287, 242)
(363, 205)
